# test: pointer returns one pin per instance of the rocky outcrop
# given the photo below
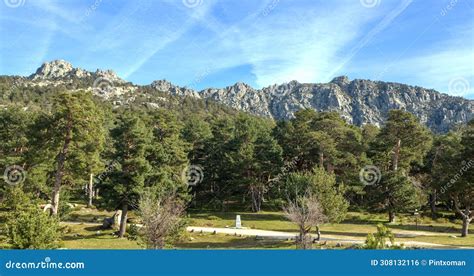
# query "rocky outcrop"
(166, 86)
(358, 101)
(240, 96)
(61, 70)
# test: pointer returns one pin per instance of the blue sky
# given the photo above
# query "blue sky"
(205, 43)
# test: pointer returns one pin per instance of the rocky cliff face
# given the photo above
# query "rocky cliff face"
(166, 86)
(358, 101)
(60, 70)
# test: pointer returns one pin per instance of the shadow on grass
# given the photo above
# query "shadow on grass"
(236, 243)
(87, 217)
(94, 232)
(356, 220)
(337, 233)
(429, 228)
(244, 216)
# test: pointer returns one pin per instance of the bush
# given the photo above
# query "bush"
(133, 232)
(33, 229)
(65, 210)
(383, 239)
(16, 199)
(162, 219)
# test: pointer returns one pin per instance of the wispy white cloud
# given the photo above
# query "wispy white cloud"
(161, 38)
(68, 15)
(443, 70)
(446, 66)
(379, 27)
(287, 43)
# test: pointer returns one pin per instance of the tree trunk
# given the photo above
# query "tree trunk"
(465, 226)
(61, 159)
(123, 220)
(55, 200)
(321, 160)
(57, 183)
(465, 214)
(433, 204)
(90, 190)
(318, 233)
(391, 216)
(330, 168)
(257, 196)
(396, 155)
(302, 239)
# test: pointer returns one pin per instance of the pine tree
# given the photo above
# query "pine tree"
(167, 154)
(463, 194)
(131, 141)
(401, 143)
(69, 139)
(216, 186)
(452, 173)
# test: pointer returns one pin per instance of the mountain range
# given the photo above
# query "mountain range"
(357, 101)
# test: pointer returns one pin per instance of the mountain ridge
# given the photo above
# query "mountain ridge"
(358, 101)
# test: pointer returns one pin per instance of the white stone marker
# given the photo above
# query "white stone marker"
(238, 223)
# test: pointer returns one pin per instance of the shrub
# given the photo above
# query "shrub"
(383, 239)
(16, 199)
(65, 210)
(133, 232)
(162, 219)
(31, 228)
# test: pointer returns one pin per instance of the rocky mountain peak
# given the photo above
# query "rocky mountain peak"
(166, 86)
(109, 75)
(61, 70)
(341, 81)
(53, 70)
(162, 85)
(239, 87)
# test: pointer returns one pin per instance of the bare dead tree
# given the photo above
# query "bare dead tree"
(161, 217)
(306, 212)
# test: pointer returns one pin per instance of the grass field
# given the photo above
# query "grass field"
(82, 230)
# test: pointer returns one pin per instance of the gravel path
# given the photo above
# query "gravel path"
(277, 235)
(265, 234)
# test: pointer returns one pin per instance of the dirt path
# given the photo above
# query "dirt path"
(265, 234)
(277, 235)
